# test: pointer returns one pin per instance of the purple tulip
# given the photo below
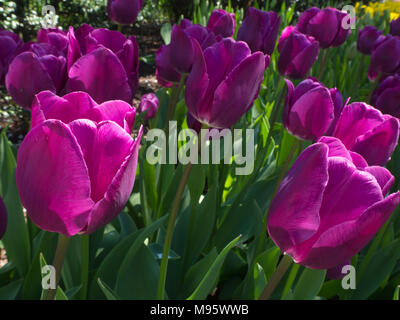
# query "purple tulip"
(222, 23)
(224, 82)
(149, 104)
(260, 30)
(395, 27)
(3, 218)
(55, 37)
(385, 58)
(368, 39)
(311, 109)
(103, 63)
(298, 52)
(124, 11)
(74, 178)
(325, 25)
(330, 205)
(365, 130)
(178, 57)
(387, 96)
(42, 67)
(9, 43)
(79, 105)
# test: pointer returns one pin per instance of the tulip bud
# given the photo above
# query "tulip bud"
(395, 27)
(149, 104)
(368, 39)
(224, 82)
(9, 43)
(387, 96)
(325, 25)
(260, 30)
(3, 218)
(365, 130)
(75, 178)
(385, 58)
(298, 52)
(178, 57)
(311, 109)
(330, 205)
(124, 11)
(222, 23)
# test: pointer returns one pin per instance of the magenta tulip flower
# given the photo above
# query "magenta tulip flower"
(124, 11)
(9, 44)
(55, 37)
(330, 205)
(41, 67)
(368, 39)
(298, 52)
(365, 130)
(3, 218)
(260, 30)
(224, 82)
(74, 178)
(149, 104)
(222, 23)
(395, 27)
(177, 58)
(325, 25)
(103, 63)
(311, 110)
(385, 58)
(387, 96)
(79, 105)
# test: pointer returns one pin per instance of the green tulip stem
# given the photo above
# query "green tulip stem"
(359, 74)
(173, 100)
(170, 231)
(84, 266)
(324, 59)
(58, 262)
(154, 122)
(276, 277)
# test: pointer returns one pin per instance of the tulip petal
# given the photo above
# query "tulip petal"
(72, 106)
(104, 147)
(312, 114)
(235, 92)
(294, 213)
(378, 144)
(101, 74)
(356, 119)
(119, 190)
(56, 199)
(26, 77)
(383, 176)
(343, 241)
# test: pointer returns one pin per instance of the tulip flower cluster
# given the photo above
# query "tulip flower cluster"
(76, 168)
(86, 59)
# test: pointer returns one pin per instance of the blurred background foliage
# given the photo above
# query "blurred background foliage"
(24, 16)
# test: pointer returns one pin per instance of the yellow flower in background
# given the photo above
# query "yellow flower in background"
(393, 7)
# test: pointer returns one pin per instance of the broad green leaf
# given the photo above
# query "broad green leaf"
(209, 281)
(108, 270)
(196, 182)
(108, 292)
(379, 268)
(138, 276)
(149, 180)
(309, 284)
(11, 290)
